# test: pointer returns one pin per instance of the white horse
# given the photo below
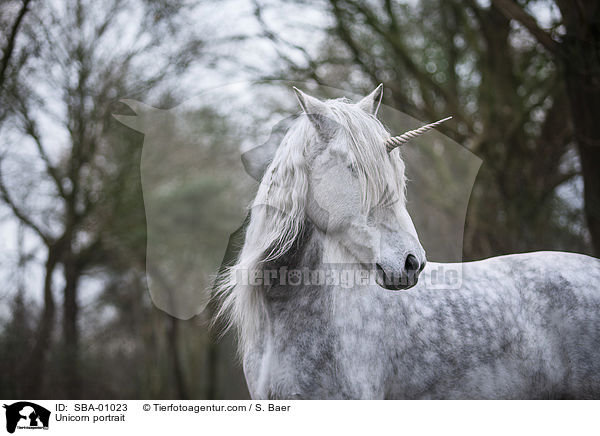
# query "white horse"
(331, 207)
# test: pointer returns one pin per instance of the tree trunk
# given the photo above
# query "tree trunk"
(581, 58)
(35, 366)
(578, 56)
(70, 331)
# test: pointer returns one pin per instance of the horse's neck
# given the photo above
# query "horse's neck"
(307, 250)
(306, 324)
(288, 311)
(324, 288)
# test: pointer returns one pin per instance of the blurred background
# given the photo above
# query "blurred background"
(520, 77)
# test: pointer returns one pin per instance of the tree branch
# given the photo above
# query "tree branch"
(10, 45)
(511, 10)
(277, 40)
(19, 214)
(31, 130)
(400, 50)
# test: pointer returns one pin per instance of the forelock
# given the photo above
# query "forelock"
(363, 137)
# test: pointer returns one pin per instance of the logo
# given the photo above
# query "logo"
(26, 415)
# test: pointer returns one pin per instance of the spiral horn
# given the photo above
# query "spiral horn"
(396, 141)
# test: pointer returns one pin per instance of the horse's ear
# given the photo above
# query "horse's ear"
(310, 105)
(371, 102)
(315, 109)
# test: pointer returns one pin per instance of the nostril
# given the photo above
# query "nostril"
(412, 264)
(422, 266)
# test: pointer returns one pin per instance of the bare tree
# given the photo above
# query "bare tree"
(577, 55)
(84, 65)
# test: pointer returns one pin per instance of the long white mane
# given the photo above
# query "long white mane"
(278, 210)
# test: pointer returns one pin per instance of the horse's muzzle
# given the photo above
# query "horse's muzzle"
(397, 281)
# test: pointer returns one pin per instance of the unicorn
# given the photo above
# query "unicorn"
(332, 204)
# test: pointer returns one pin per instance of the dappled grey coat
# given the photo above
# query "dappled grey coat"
(331, 204)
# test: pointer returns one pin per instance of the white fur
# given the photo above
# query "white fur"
(278, 211)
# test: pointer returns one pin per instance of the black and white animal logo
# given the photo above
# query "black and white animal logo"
(26, 415)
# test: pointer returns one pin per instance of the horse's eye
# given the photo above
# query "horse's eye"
(353, 169)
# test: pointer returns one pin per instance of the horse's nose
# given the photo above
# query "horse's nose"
(412, 265)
